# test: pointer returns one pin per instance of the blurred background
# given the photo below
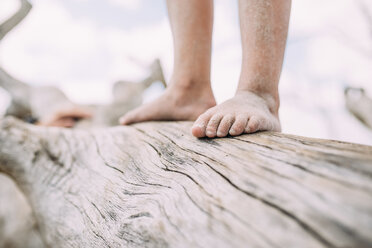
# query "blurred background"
(84, 46)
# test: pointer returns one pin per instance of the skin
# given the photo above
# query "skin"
(189, 93)
(66, 118)
(264, 27)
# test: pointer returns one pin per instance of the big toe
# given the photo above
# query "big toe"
(198, 131)
(129, 118)
(200, 125)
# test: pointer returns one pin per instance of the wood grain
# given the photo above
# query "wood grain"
(17, 226)
(154, 185)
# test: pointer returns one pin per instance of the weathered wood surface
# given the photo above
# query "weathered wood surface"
(18, 228)
(154, 185)
(30, 102)
(360, 105)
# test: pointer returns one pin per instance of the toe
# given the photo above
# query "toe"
(125, 119)
(253, 124)
(130, 117)
(200, 125)
(212, 126)
(257, 123)
(239, 125)
(225, 124)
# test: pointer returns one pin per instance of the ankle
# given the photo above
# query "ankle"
(184, 92)
(271, 99)
(187, 84)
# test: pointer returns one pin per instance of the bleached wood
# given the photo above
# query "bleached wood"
(20, 95)
(360, 105)
(15, 19)
(17, 227)
(154, 185)
(37, 102)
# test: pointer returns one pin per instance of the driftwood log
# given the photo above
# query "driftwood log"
(18, 227)
(154, 185)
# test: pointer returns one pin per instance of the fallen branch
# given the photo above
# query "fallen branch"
(15, 19)
(18, 227)
(154, 185)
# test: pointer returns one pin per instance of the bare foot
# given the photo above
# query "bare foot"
(65, 117)
(246, 112)
(178, 103)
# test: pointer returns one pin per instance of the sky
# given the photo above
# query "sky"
(87, 45)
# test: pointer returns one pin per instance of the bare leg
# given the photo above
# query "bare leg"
(189, 93)
(264, 27)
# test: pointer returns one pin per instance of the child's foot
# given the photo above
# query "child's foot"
(246, 112)
(65, 117)
(178, 103)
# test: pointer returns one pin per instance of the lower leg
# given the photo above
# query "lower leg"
(189, 93)
(191, 23)
(264, 26)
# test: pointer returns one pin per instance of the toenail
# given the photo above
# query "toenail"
(232, 131)
(219, 134)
